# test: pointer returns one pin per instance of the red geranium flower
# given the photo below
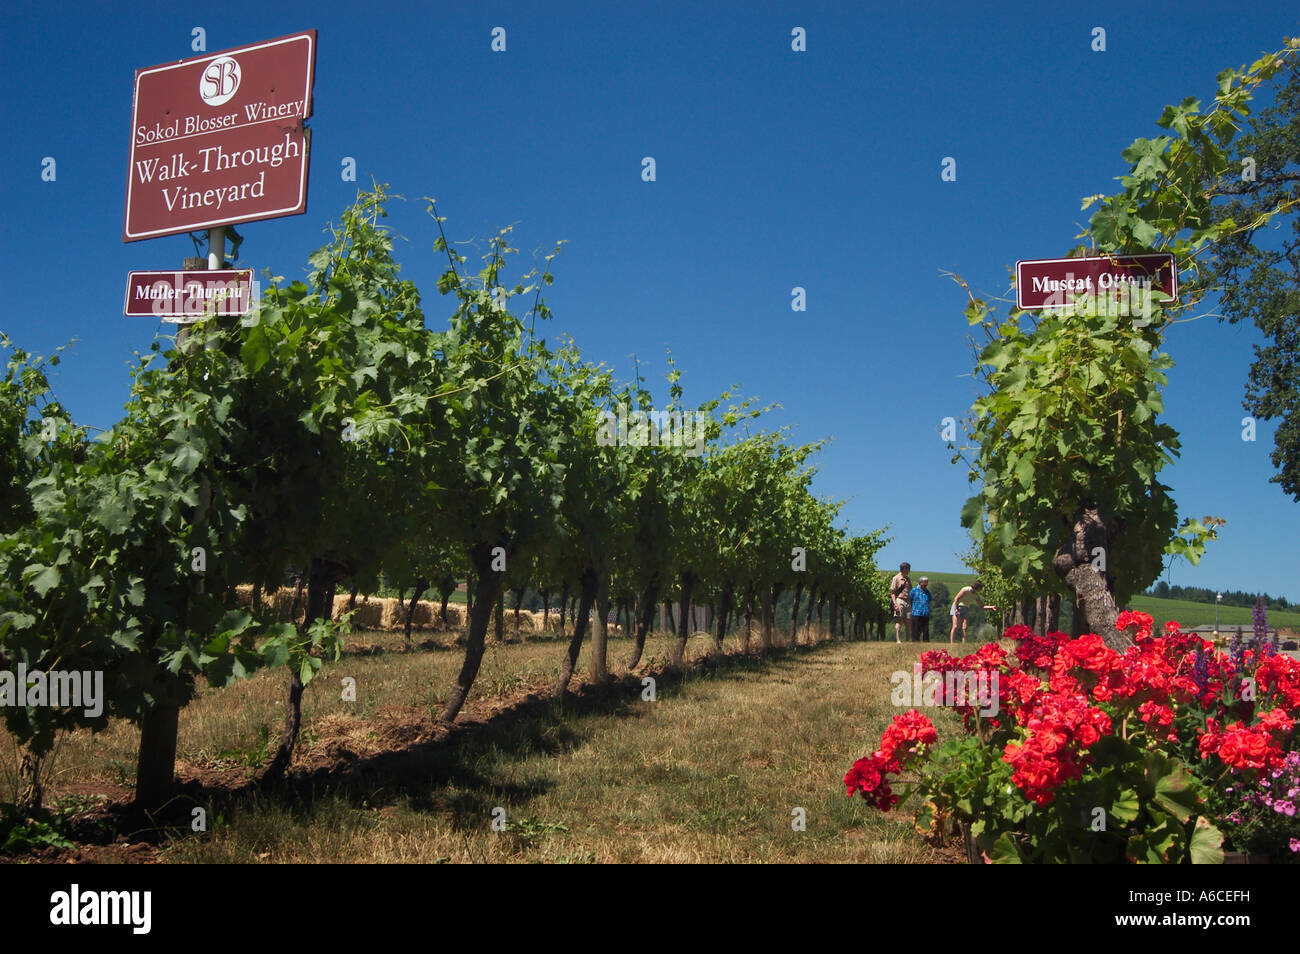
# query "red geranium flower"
(1130, 618)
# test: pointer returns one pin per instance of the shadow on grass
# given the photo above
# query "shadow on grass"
(453, 773)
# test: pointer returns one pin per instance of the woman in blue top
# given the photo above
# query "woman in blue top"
(921, 610)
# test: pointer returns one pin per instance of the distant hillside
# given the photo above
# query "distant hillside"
(1195, 614)
(1201, 594)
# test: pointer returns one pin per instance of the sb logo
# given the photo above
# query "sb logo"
(220, 81)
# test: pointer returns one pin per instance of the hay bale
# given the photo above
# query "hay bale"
(278, 603)
(390, 613)
(368, 615)
(281, 602)
(423, 616)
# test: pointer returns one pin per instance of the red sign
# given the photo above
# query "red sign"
(1053, 282)
(219, 139)
(189, 296)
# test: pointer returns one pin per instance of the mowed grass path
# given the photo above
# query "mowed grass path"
(710, 771)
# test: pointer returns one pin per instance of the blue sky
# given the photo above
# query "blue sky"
(775, 169)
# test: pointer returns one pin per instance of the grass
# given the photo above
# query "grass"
(711, 770)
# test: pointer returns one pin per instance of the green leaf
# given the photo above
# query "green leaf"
(1207, 843)
(256, 350)
(127, 640)
(44, 580)
(308, 668)
(1144, 233)
(18, 621)
(1025, 472)
(275, 652)
(1174, 791)
(1005, 851)
(1104, 225)
(187, 458)
(1125, 807)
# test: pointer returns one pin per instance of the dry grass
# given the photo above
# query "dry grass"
(710, 771)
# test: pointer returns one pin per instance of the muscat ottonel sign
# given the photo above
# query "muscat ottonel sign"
(219, 139)
(1053, 282)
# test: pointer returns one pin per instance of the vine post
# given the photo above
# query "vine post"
(156, 764)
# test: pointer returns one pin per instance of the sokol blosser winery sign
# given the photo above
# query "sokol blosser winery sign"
(219, 139)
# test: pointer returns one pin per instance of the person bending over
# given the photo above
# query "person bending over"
(960, 607)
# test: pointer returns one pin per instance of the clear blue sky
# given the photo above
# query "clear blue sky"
(775, 169)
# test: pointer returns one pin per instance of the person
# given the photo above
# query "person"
(921, 610)
(900, 588)
(959, 608)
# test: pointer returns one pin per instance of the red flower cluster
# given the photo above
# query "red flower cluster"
(1023, 693)
(1240, 747)
(867, 777)
(1158, 719)
(1061, 727)
(905, 734)
(990, 658)
(1142, 621)
(904, 739)
(1086, 665)
(1146, 685)
(938, 660)
(1158, 670)
(1279, 676)
(1036, 652)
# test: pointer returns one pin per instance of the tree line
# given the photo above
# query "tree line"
(1200, 594)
